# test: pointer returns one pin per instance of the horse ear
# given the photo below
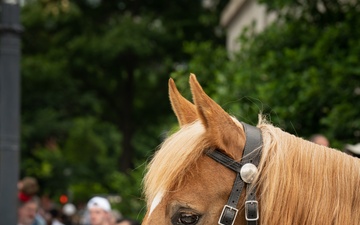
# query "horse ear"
(184, 110)
(220, 127)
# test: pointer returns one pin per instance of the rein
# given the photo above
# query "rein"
(246, 170)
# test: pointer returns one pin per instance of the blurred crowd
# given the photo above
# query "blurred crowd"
(320, 139)
(33, 210)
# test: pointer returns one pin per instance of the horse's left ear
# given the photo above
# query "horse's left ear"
(220, 127)
(184, 110)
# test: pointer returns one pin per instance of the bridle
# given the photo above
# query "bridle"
(246, 170)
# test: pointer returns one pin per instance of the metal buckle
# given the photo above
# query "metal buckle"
(247, 205)
(227, 207)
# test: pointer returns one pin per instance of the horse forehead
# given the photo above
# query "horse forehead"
(204, 185)
(180, 192)
(207, 180)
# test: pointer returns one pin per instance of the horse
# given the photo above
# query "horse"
(190, 180)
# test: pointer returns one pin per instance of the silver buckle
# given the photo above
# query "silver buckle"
(247, 203)
(223, 211)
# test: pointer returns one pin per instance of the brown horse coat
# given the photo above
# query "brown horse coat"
(299, 182)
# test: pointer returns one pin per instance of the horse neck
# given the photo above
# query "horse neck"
(304, 183)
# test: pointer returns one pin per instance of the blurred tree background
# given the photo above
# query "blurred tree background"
(94, 90)
(302, 72)
(94, 83)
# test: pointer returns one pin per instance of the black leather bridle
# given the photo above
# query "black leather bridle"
(246, 171)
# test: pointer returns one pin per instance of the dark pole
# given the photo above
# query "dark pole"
(10, 30)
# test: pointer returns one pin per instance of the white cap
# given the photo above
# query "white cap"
(353, 148)
(99, 202)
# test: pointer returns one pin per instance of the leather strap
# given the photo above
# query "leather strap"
(251, 206)
(253, 144)
(251, 154)
(225, 160)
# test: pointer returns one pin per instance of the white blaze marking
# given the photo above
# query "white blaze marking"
(156, 201)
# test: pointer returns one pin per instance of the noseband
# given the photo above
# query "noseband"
(246, 171)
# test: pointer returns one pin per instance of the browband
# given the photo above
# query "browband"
(246, 171)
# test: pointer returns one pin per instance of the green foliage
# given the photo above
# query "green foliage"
(94, 83)
(207, 63)
(308, 73)
(94, 90)
(129, 188)
(302, 72)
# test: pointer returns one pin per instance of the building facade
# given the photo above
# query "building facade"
(239, 14)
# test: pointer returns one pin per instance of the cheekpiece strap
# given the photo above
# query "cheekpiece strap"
(251, 155)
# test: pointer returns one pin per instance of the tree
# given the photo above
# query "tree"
(302, 71)
(94, 79)
(309, 64)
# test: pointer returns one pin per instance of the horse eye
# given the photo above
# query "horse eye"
(186, 219)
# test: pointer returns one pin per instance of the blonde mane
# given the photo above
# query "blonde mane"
(172, 161)
(304, 183)
(299, 182)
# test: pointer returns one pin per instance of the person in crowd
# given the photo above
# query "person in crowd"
(68, 214)
(55, 217)
(319, 139)
(127, 221)
(99, 210)
(353, 150)
(28, 201)
(115, 216)
(27, 212)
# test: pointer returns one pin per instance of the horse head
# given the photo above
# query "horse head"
(298, 182)
(183, 184)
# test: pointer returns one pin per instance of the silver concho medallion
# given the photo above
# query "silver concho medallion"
(248, 172)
